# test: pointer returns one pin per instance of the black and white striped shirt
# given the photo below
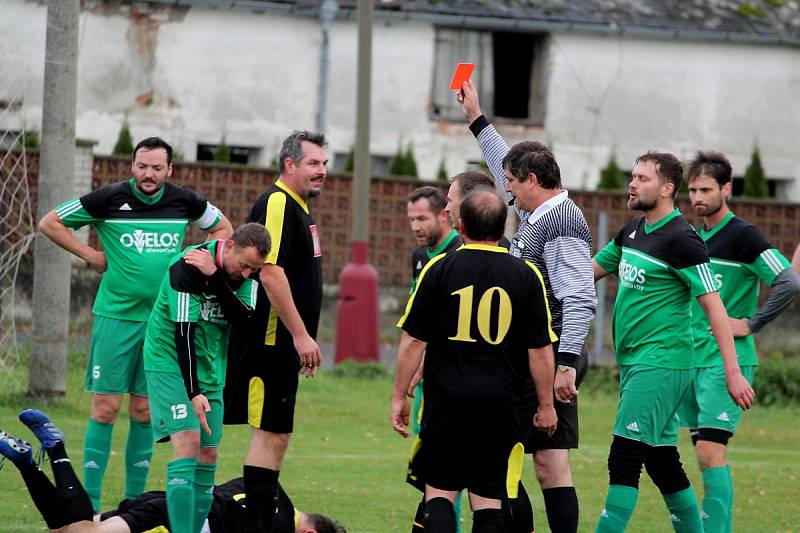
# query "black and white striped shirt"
(556, 238)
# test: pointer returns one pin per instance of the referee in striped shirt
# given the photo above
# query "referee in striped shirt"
(554, 236)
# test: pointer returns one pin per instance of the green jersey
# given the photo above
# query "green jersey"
(661, 269)
(188, 328)
(741, 257)
(139, 236)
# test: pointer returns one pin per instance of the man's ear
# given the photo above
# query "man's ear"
(727, 190)
(533, 179)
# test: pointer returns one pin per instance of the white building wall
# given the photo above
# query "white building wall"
(254, 77)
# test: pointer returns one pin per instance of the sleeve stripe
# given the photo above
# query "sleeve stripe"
(276, 211)
(183, 307)
(706, 277)
(772, 262)
(253, 294)
(68, 208)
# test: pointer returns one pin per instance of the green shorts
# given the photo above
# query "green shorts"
(708, 404)
(648, 403)
(115, 364)
(171, 411)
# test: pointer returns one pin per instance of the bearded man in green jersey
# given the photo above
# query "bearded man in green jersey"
(741, 258)
(185, 359)
(141, 224)
(662, 266)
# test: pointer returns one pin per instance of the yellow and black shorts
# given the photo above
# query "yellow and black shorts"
(261, 386)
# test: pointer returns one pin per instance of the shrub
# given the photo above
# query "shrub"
(611, 177)
(354, 369)
(124, 144)
(778, 380)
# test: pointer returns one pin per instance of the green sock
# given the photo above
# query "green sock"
(203, 492)
(138, 452)
(684, 511)
(180, 495)
(618, 509)
(96, 449)
(718, 500)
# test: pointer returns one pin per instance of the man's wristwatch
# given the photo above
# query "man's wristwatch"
(564, 368)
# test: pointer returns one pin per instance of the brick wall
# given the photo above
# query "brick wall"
(234, 189)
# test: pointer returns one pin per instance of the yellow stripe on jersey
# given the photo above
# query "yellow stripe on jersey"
(484, 247)
(272, 328)
(419, 282)
(514, 472)
(255, 401)
(552, 334)
(412, 454)
(159, 529)
(296, 516)
(282, 186)
(276, 210)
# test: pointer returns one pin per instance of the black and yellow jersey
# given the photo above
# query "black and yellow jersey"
(295, 248)
(479, 310)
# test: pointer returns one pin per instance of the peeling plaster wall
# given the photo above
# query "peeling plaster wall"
(194, 75)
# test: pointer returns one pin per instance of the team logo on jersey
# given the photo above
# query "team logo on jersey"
(152, 241)
(125, 207)
(632, 235)
(211, 312)
(633, 426)
(724, 417)
(632, 276)
(315, 238)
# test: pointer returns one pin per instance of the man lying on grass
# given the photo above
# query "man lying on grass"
(66, 507)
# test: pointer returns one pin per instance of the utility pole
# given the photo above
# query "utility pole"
(357, 324)
(51, 272)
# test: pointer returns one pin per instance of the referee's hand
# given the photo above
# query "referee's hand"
(400, 416)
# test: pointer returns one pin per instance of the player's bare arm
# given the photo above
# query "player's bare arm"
(274, 280)
(417, 377)
(468, 99)
(796, 259)
(222, 230)
(56, 231)
(598, 271)
(541, 363)
(409, 359)
(739, 389)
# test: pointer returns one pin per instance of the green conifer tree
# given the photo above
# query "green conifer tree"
(755, 181)
(441, 173)
(222, 153)
(410, 163)
(611, 177)
(124, 144)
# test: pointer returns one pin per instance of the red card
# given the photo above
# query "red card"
(462, 74)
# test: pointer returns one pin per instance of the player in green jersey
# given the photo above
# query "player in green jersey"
(741, 258)
(185, 356)
(662, 265)
(141, 224)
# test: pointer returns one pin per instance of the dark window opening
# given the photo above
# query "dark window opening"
(239, 154)
(738, 187)
(513, 62)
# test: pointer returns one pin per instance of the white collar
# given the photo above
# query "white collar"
(540, 211)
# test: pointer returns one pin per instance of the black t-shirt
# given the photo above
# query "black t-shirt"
(479, 309)
(227, 514)
(295, 248)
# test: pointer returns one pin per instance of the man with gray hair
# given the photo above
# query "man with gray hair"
(267, 355)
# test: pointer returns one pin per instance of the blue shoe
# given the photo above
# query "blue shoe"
(17, 450)
(38, 422)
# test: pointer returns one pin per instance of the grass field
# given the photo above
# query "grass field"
(344, 460)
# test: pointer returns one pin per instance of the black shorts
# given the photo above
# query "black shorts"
(566, 435)
(261, 386)
(144, 513)
(473, 449)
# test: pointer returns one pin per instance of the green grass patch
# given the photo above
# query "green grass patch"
(344, 459)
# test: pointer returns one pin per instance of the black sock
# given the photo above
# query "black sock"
(44, 495)
(488, 521)
(419, 518)
(261, 487)
(518, 513)
(561, 504)
(440, 517)
(71, 495)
